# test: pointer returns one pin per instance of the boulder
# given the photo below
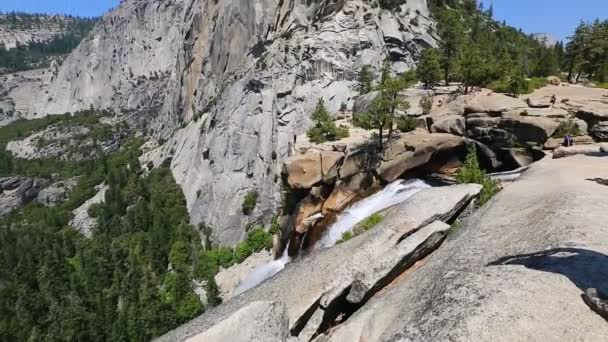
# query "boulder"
(361, 160)
(544, 102)
(493, 103)
(592, 150)
(348, 190)
(528, 129)
(554, 81)
(16, 192)
(305, 170)
(453, 124)
(363, 102)
(414, 150)
(330, 164)
(323, 280)
(56, 192)
(514, 271)
(599, 131)
(555, 143)
(591, 110)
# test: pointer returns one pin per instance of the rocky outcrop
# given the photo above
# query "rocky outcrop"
(56, 192)
(452, 124)
(82, 221)
(416, 150)
(63, 143)
(599, 131)
(19, 30)
(515, 270)
(18, 191)
(555, 143)
(316, 289)
(590, 149)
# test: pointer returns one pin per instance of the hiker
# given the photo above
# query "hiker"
(553, 100)
(568, 140)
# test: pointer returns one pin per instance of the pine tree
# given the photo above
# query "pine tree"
(364, 80)
(429, 67)
(452, 32)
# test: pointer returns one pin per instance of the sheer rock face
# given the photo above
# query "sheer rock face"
(239, 77)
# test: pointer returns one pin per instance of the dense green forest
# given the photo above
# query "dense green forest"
(133, 280)
(477, 50)
(38, 54)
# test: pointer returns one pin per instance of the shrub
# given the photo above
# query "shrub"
(567, 127)
(471, 172)
(345, 237)
(325, 129)
(518, 85)
(370, 222)
(426, 103)
(275, 227)
(250, 201)
(603, 85)
(406, 123)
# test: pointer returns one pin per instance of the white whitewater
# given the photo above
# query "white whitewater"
(263, 272)
(391, 195)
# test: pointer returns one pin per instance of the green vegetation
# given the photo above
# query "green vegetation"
(518, 85)
(471, 172)
(476, 50)
(369, 223)
(602, 85)
(381, 113)
(429, 67)
(362, 227)
(35, 54)
(325, 128)
(406, 123)
(210, 261)
(345, 237)
(567, 128)
(365, 80)
(115, 286)
(250, 201)
(587, 51)
(45, 167)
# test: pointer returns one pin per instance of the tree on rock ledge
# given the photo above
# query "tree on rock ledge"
(325, 129)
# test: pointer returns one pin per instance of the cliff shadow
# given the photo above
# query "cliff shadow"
(584, 268)
(600, 181)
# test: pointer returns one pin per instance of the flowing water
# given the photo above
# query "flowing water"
(263, 272)
(391, 195)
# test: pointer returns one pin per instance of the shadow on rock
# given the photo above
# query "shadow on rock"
(587, 269)
(600, 181)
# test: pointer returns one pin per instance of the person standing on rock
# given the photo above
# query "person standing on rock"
(553, 100)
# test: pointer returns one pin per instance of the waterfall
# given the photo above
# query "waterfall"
(263, 272)
(391, 195)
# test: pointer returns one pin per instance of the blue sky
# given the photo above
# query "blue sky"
(83, 8)
(556, 17)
